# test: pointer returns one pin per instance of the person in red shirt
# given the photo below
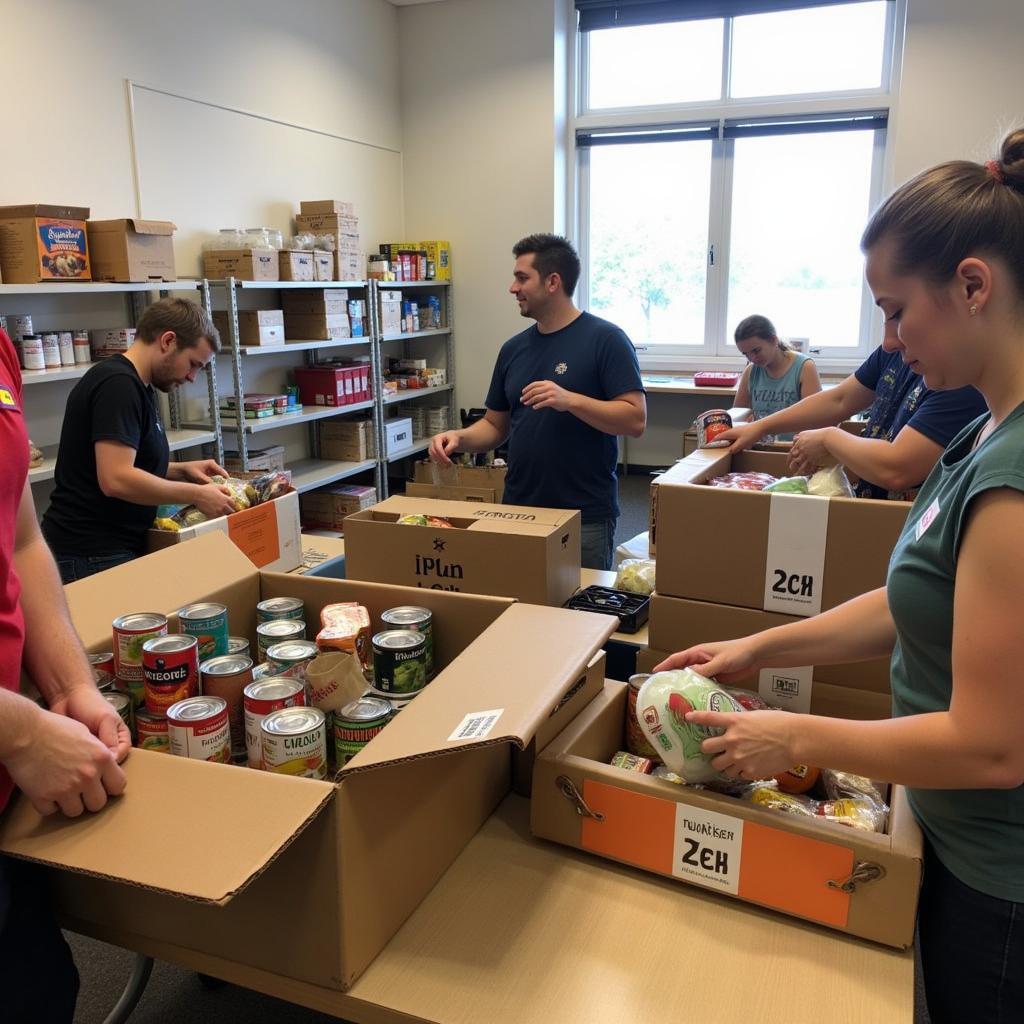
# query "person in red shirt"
(65, 759)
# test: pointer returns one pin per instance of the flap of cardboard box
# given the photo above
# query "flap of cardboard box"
(235, 828)
(44, 210)
(500, 689)
(485, 515)
(140, 227)
(208, 563)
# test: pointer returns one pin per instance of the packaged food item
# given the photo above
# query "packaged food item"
(238, 645)
(291, 656)
(831, 482)
(419, 619)
(662, 705)
(798, 779)
(436, 522)
(208, 622)
(636, 741)
(280, 608)
(102, 662)
(709, 425)
(661, 772)
(789, 485)
(198, 728)
(356, 724)
(860, 814)
(636, 575)
(632, 763)
(227, 677)
(122, 704)
(151, 732)
(751, 701)
(170, 668)
(295, 742)
(259, 699)
(743, 481)
(334, 679)
(278, 631)
(399, 661)
(130, 633)
(345, 627)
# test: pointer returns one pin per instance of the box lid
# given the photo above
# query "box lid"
(45, 210)
(136, 224)
(236, 829)
(552, 647)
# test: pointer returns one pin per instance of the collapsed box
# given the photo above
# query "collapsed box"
(532, 554)
(475, 477)
(212, 864)
(255, 326)
(132, 249)
(789, 553)
(243, 264)
(40, 242)
(861, 883)
(270, 535)
(674, 624)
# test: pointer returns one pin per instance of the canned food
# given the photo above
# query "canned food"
(291, 654)
(66, 345)
(198, 728)
(208, 623)
(82, 349)
(105, 682)
(280, 608)
(151, 733)
(122, 704)
(709, 425)
(51, 351)
(399, 661)
(32, 352)
(397, 701)
(356, 724)
(238, 645)
(102, 662)
(295, 742)
(18, 325)
(636, 742)
(262, 697)
(170, 671)
(277, 631)
(227, 677)
(419, 619)
(130, 633)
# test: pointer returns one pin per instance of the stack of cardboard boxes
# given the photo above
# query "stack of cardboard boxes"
(334, 217)
(326, 509)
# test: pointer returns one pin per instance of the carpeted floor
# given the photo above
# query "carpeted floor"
(174, 994)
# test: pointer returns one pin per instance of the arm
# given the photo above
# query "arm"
(624, 414)
(197, 472)
(810, 382)
(483, 436)
(896, 465)
(826, 407)
(743, 389)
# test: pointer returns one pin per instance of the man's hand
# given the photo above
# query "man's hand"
(198, 472)
(87, 705)
(444, 446)
(62, 766)
(546, 394)
(809, 452)
(213, 501)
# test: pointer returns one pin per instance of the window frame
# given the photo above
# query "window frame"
(717, 350)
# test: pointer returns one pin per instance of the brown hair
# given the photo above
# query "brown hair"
(956, 209)
(552, 254)
(758, 326)
(189, 321)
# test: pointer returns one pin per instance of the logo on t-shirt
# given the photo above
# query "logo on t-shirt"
(561, 368)
(7, 399)
(927, 519)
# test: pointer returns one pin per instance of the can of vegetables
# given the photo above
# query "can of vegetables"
(295, 742)
(400, 661)
(709, 425)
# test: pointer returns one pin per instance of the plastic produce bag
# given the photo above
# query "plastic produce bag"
(636, 575)
(789, 485)
(743, 481)
(830, 482)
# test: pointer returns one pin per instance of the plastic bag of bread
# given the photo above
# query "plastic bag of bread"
(830, 482)
(345, 626)
(636, 575)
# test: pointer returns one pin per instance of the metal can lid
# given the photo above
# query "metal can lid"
(141, 621)
(292, 651)
(101, 658)
(197, 709)
(407, 615)
(279, 604)
(273, 688)
(238, 645)
(281, 627)
(638, 680)
(391, 698)
(117, 699)
(293, 721)
(363, 710)
(204, 610)
(226, 665)
(169, 644)
(147, 720)
(399, 639)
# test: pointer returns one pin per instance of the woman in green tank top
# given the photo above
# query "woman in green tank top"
(945, 262)
(776, 376)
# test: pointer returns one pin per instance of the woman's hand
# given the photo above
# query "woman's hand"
(727, 661)
(810, 451)
(754, 745)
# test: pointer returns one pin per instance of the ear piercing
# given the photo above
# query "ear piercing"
(974, 309)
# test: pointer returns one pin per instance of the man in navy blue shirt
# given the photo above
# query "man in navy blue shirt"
(908, 426)
(562, 392)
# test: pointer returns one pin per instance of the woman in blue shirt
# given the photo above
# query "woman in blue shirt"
(776, 376)
(945, 262)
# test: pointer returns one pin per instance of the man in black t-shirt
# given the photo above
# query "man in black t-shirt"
(562, 391)
(113, 464)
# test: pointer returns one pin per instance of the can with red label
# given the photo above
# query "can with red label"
(198, 728)
(130, 633)
(103, 662)
(170, 670)
(261, 697)
(151, 733)
(709, 425)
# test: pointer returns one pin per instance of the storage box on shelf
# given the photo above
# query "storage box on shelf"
(42, 242)
(131, 249)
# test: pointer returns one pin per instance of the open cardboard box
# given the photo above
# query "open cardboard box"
(532, 554)
(788, 553)
(284, 883)
(861, 883)
(478, 477)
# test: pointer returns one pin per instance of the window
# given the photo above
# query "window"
(727, 166)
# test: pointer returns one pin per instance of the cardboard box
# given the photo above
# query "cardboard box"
(131, 249)
(327, 508)
(40, 242)
(296, 264)
(109, 341)
(315, 301)
(349, 266)
(724, 844)
(317, 326)
(336, 224)
(335, 206)
(244, 264)
(476, 477)
(793, 554)
(259, 459)
(255, 327)
(330, 385)
(532, 554)
(202, 859)
(323, 265)
(347, 440)
(397, 435)
(675, 624)
(480, 495)
(270, 535)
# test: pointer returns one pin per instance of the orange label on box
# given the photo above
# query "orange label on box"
(719, 851)
(254, 532)
(63, 248)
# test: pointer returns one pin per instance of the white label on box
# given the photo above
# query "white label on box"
(795, 564)
(787, 688)
(476, 726)
(707, 848)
